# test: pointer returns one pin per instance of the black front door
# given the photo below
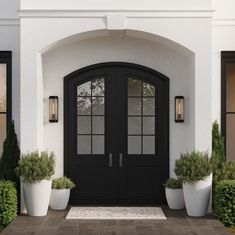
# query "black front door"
(116, 134)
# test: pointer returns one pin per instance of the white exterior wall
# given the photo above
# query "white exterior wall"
(223, 38)
(61, 61)
(173, 36)
(10, 41)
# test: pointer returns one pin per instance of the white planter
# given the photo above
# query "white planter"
(59, 199)
(37, 197)
(197, 196)
(175, 198)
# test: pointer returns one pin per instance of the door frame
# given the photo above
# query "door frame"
(165, 161)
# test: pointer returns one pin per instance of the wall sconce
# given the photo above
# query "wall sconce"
(53, 108)
(179, 109)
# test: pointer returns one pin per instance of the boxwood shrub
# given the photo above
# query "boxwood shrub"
(62, 183)
(8, 202)
(173, 183)
(225, 202)
(34, 167)
(193, 167)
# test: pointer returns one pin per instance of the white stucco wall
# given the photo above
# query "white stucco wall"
(61, 61)
(223, 38)
(175, 36)
(10, 41)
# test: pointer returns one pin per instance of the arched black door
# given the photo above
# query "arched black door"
(116, 124)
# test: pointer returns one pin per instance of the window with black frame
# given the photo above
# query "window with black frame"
(5, 94)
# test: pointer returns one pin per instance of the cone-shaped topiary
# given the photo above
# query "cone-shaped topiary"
(218, 150)
(10, 158)
(10, 155)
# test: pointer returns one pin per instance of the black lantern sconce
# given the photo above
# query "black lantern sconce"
(179, 109)
(53, 108)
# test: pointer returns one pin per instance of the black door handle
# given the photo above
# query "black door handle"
(120, 160)
(110, 160)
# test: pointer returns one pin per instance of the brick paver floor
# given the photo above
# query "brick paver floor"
(177, 223)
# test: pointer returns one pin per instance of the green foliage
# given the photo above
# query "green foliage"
(8, 202)
(225, 202)
(225, 172)
(10, 156)
(218, 150)
(173, 183)
(34, 167)
(192, 167)
(62, 183)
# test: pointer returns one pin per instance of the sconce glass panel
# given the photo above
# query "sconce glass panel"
(53, 109)
(179, 109)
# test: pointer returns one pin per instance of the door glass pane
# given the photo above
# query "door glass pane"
(84, 105)
(134, 87)
(3, 87)
(134, 125)
(148, 144)
(84, 144)
(84, 89)
(98, 87)
(148, 89)
(141, 117)
(98, 105)
(84, 125)
(149, 106)
(148, 125)
(97, 144)
(134, 106)
(90, 117)
(230, 136)
(3, 124)
(97, 125)
(134, 145)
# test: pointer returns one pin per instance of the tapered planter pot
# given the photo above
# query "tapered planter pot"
(37, 197)
(197, 196)
(175, 198)
(59, 199)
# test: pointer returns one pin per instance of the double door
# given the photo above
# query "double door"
(116, 134)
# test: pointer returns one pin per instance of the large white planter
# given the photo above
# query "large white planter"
(59, 199)
(37, 197)
(175, 198)
(197, 196)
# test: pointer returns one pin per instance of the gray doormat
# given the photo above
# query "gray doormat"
(116, 213)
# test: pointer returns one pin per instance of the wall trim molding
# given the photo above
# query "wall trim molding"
(224, 22)
(128, 13)
(9, 22)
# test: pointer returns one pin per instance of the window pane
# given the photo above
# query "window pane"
(134, 125)
(84, 125)
(134, 87)
(98, 105)
(84, 144)
(230, 93)
(230, 137)
(98, 87)
(3, 88)
(149, 106)
(84, 89)
(97, 125)
(148, 125)
(148, 144)
(84, 106)
(134, 145)
(148, 90)
(134, 106)
(97, 144)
